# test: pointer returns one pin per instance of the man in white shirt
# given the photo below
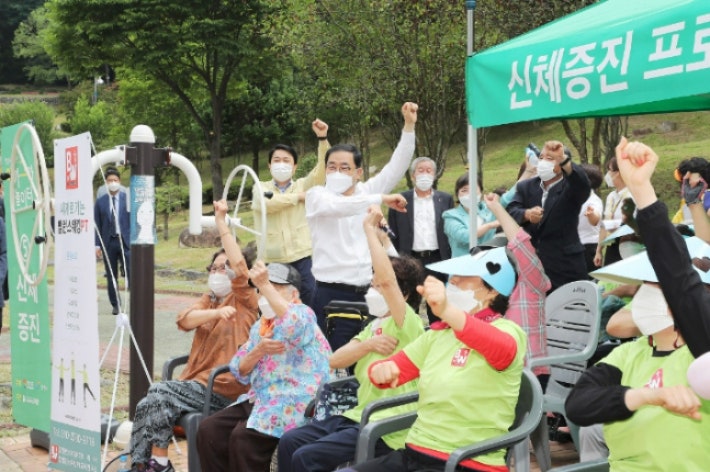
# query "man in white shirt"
(335, 212)
(420, 231)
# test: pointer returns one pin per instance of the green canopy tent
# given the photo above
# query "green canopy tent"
(616, 57)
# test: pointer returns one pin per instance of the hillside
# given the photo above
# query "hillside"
(503, 149)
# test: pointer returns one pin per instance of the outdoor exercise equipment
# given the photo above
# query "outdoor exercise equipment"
(36, 198)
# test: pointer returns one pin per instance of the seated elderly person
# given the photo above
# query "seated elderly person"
(221, 320)
(652, 419)
(469, 367)
(284, 360)
(323, 445)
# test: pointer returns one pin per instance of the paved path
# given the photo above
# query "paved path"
(17, 453)
(169, 341)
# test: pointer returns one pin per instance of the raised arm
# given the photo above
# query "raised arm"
(507, 222)
(382, 266)
(694, 187)
(317, 175)
(395, 169)
(530, 269)
(229, 242)
(682, 287)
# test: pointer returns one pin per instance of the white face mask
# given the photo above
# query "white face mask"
(465, 201)
(649, 310)
(338, 183)
(376, 304)
(424, 182)
(463, 299)
(219, 284)
(113, 186)
(281, 171)
(546, 170)
(608, 180)
(265, 308)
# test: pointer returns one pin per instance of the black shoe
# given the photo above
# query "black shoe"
(114, 311)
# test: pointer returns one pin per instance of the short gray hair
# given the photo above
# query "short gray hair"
(416, 162)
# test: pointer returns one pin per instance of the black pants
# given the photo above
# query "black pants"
(612, 253)
(226, 444)
(325, 295)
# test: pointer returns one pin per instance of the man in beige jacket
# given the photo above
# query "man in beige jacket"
(288, 239)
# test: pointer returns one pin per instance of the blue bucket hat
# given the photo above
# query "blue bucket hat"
(492, 266)
(638, 269)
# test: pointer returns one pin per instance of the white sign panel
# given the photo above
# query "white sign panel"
(75, 433)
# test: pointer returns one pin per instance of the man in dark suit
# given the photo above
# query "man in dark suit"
(113, 228)
(420, 231)
(548, 206)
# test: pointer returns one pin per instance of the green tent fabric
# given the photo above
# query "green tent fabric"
(617, 57)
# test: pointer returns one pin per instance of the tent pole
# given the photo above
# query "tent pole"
(472, 138)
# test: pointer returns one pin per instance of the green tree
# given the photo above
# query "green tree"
(12, 13)
(199, 49)
(150, 102)
(263, 115)
(97, 119)
(169, 198)
(367, 57)
(29, 45)
(40, 113)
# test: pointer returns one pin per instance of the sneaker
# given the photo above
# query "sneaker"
(114, 311)
(153, 466)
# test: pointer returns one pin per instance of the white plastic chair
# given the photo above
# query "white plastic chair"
(572, 316)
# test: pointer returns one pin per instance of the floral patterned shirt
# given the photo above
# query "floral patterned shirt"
(283, 384)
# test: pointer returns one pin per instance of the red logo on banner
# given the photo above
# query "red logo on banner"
(72, 167)
(656, 380)
(459, 359)
(54, 453)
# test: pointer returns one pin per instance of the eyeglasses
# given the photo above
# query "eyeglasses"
(343, 169)
(213, 268)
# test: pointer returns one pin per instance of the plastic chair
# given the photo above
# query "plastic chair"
(601, 465)
(189, 422)
(528, 412)
(366, 442)
(573, 315)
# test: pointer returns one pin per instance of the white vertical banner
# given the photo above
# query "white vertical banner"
(75, 435)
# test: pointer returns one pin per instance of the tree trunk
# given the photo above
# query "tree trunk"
(165, 225)
(216, 169)
(215, 140)
(599, 123)
(255, 159)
